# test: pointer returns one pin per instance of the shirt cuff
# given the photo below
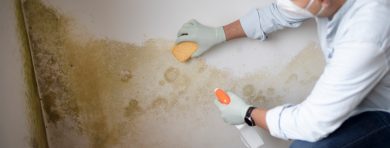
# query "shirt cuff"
(251, 25)
(273, 118)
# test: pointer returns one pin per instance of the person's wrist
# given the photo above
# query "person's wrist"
(234, 30)
(248, 116)
(259, 116)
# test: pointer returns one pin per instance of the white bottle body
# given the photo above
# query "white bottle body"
(249, 136)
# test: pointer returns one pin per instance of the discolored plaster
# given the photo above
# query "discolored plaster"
(104, 93)
(37, 134)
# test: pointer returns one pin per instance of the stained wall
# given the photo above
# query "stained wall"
(21, 121)
(106, 76)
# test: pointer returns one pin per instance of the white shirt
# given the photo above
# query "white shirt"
(356, 46)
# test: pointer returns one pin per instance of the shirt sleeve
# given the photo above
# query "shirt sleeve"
(352, 72)
(260, 22)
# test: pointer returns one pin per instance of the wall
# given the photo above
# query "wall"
(20, 109)
(107, 78)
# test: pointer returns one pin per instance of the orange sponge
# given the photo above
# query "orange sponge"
(183, 51)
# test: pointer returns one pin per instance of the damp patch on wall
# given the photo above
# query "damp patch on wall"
(103, 93)
(37, 134)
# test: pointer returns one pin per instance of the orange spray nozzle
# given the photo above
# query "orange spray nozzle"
(222, 96)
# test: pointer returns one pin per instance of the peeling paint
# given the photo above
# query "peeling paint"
(105, 93)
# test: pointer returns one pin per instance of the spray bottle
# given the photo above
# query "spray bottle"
(249, 136)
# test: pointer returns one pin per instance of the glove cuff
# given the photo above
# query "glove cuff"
(220, 34)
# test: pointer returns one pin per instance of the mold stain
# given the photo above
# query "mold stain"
(248, 90)
(38, 137)
(132, 109)
(45, 42)
(161, 82)
(270, 91)
(125, 75)
(106, 93)
(259, 99)
(171, 74)
(292, 78)
(162, 103)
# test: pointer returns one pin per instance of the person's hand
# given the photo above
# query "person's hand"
(234, 112)
(206, 37)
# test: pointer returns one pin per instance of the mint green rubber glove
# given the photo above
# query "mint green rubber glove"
(206, 37)
(234, 112)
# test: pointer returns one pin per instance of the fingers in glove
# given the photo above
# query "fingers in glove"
(229, 121)
(188, 24)
(187, 27)
(193, 22)
(219, 105)
(184, 38)
(226, 121)
(184, 31)
(232, 95)
(197, 53)
(234, 98)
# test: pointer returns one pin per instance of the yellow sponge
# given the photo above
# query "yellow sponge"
(183, 51)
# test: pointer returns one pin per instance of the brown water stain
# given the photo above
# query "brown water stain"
(37, 131)
(110, 92)
(161, 82)
(171, 74)
(248, 90)
(125, 75)
(259, 99)
(160, 102)
(292, 78)
(132, 109)
(202, 67)
(270, 91)
(48, 69)
(72, 88)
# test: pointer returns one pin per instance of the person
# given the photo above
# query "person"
(349, 105)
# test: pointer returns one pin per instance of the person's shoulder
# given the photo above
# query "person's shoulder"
(372, 10)
(366, 21)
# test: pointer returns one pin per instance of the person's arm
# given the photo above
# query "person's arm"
(353, 71)
(273, 19)
(233, 30)
(257, 24)
(258, 115)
